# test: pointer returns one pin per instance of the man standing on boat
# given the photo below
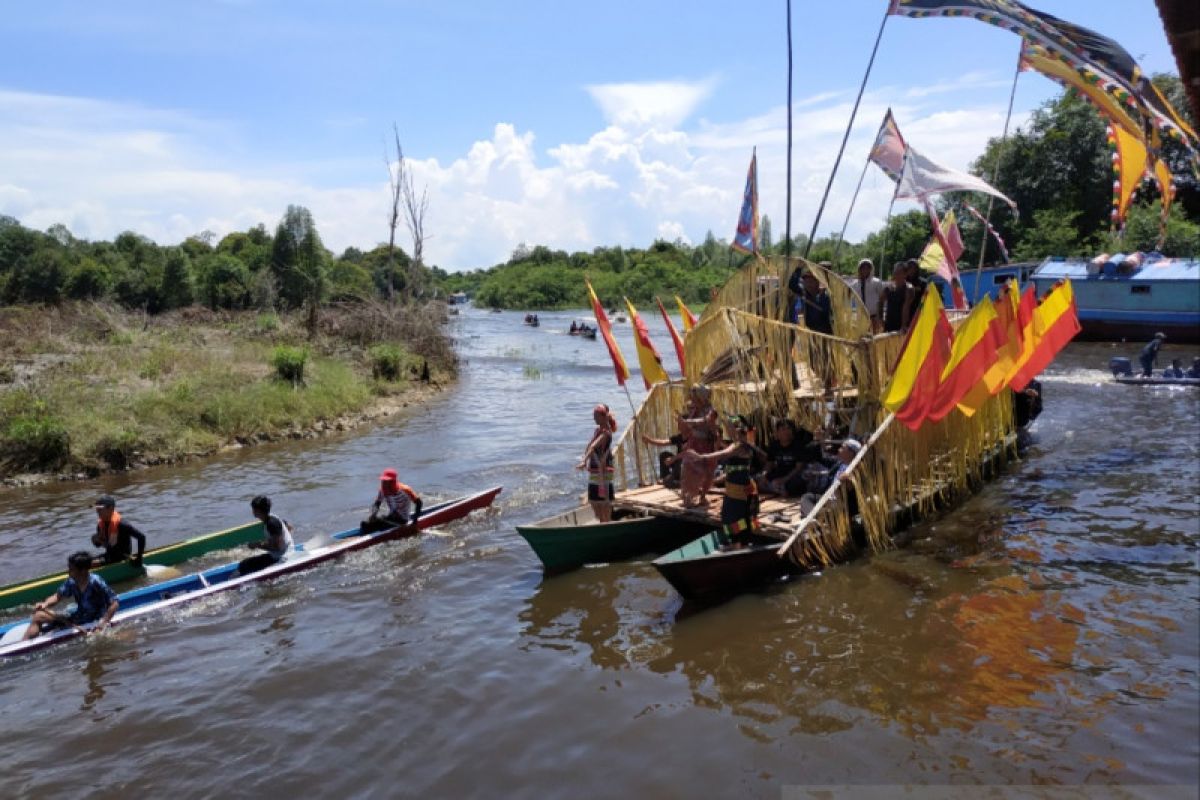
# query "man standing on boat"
(115, 535)
(1150, 354)
(402, 502)
(896, 301)
(277, 544)
(870, 291)
(94, 600)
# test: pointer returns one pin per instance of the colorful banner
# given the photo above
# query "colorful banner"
(922, 178)
(605, 327)
(648, 357)
(675, 337)
(746, 238)
(888, 151)
(934, 257)
(926, 349)
(689, 319)
(974, 352)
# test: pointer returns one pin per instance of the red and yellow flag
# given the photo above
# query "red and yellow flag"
(606, 331)
(1026, 306)
(913, 388)
(1008, 350)
(675, 337)
(973, 353)
(689, 319)
(1055, 323)
(648, 357)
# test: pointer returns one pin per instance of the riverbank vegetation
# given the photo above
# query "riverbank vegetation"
(88, 387)
(1057, 168)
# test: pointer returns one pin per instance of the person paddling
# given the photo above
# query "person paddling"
(94, 600)
(402, 503)
(277, 544)
(115, 535)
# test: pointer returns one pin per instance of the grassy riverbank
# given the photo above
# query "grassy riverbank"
(89, 388)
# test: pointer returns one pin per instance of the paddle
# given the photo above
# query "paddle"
(160, 572)
(17, 632)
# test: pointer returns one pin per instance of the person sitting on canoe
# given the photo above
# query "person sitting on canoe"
(94, 600)
(574, 328)
(598, 461)
(787, 455)
(845, 454)
(400, 503)
(1194, 370)
(1150, 354)
(275, 546)
(739, 510)
(670, 465)
(115, 535)
(1175, 371)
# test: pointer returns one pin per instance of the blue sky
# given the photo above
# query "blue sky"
(574, 125)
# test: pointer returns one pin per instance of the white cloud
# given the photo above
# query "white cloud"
(101, 168)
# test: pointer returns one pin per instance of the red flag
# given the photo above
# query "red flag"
(606, 331)
(973, 353)
(674, 336)
(689, 319)
(913, 388)
(1055, 323)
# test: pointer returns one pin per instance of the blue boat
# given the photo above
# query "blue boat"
(189, 588)
(1130, 297)
(989, 281)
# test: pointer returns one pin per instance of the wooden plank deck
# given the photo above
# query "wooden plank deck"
(777, 516)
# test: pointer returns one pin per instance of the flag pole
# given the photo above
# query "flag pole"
(887, 221)
(842, 235)
(637, 457)
(849, 125)
(787, 222)
(987, 219)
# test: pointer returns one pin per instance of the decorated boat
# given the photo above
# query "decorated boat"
(190, 588)
(576, 538)
(31, 591)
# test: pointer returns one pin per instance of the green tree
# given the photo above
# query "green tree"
(178, 286)
(298, 258)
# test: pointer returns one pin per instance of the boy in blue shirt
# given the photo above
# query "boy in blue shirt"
(94, 600)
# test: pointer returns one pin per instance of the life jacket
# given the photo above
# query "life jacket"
(108, 531)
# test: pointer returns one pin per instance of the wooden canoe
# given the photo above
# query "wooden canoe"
(189, 588)
(701, 569)
(1138, 380)
(37, 589)
(570, 540)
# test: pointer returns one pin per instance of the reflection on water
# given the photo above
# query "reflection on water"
(1043, 632)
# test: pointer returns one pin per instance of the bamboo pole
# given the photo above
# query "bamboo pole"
(853, 113)
(833, 487)
(987, 218)
(837, 248)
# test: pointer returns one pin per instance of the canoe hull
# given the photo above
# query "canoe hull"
(573, 539)
(190, 588)
(700, 569)
(38, 589)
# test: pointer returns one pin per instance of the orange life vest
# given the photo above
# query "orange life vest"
(108, 532)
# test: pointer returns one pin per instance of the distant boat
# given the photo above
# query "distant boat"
(1122, 370)
(457, 299)
(1130, 297)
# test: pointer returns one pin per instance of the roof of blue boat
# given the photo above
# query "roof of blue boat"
(1163, 269)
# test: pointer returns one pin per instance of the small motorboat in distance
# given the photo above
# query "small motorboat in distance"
(1122, 370)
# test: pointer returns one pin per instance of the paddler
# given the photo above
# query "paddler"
(115, 535)
(402, 502)
(94, 600)
(277, 544)
(739, 510)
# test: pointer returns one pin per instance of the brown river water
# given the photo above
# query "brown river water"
(1043, 633)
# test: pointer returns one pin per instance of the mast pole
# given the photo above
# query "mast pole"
(987, 219)
(849, 125)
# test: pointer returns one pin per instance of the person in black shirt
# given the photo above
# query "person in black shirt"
(896, 302)
(115, 535)
(1150, 353)
(787, 455)
(915, 277)
(670, 465)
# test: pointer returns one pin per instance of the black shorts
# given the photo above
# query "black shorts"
(595, 493)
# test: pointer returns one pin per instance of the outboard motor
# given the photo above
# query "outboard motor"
(1120, 366)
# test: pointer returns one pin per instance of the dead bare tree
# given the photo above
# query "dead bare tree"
(414, 219)
(395, 183)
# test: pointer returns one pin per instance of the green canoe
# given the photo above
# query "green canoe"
(575, 538)
(31, 591)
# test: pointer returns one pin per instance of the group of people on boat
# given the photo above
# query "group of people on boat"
(395, 504)
(891, 305)
(581, 329)
(1149, 356)
(532, 319)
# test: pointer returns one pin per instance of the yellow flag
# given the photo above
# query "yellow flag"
(648, 358)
